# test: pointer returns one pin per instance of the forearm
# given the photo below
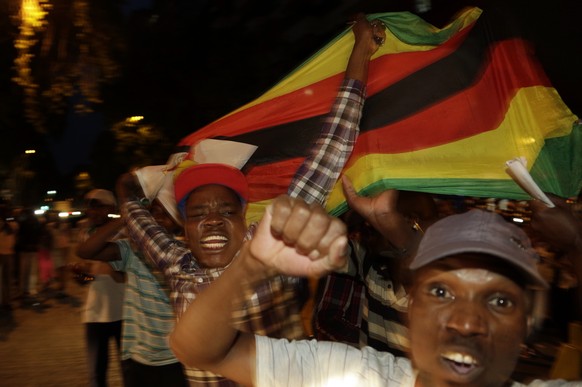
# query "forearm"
(319, 172)
(98, 246)
(152, 239)
(359, 63)
(204, 336)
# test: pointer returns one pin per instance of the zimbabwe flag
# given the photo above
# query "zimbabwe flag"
(446, 109)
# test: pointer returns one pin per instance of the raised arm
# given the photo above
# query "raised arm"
(369, 36)
(317, 175)
(382, 212)
(98, 246)
(293, 238)
(153, 240)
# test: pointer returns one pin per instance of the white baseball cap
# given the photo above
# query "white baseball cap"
(103, 196)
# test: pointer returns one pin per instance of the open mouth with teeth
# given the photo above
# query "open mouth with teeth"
(213, 242)
(460, 363)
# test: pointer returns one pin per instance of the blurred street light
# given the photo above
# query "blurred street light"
(134, 119)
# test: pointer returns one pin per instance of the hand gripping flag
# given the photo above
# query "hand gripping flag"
(446, 109)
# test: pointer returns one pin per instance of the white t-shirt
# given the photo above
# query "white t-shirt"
(104, 300)
(312, 363)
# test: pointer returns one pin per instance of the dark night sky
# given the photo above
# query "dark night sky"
(232, 53)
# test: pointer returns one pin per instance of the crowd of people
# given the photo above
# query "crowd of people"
(34, 255)
(408, 293)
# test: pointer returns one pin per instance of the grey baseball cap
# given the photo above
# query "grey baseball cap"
(478, 231)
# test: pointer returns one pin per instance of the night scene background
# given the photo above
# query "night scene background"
(181, 64)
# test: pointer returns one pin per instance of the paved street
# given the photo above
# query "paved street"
(44, 345)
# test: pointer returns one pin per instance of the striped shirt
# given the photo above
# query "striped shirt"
(273, 309)
(148, 317)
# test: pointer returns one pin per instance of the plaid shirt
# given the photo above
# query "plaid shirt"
(337, 314)
(362, 307)
(316, 177)
(272, 309)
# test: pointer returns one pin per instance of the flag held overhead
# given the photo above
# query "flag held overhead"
(446, 108)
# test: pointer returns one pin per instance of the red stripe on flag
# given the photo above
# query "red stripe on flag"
(316, 98)
(270, 180)
(476, 110)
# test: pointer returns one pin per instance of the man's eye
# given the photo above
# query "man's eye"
(501, 302)
(440, 292)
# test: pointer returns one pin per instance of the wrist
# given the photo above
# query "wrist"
(252, 269)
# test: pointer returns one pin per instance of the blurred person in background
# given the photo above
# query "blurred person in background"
(102, 312)
(45, 261)
(148, 317)
(28, 243)
(548, 225)
(8, 233)
(61, 241)
(374, 302)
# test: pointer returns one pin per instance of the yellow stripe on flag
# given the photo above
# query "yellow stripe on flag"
(529, 120)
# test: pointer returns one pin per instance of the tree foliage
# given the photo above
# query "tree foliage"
(66, 52)
(138, 144)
